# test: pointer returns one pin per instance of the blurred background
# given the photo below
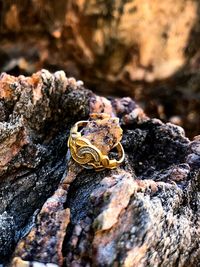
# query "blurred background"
(149, 50)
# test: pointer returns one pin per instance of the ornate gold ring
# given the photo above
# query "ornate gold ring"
(88, 155)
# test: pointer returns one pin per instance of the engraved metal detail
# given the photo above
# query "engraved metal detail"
(89, 156)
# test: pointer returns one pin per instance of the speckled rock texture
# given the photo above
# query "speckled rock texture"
(55, 213)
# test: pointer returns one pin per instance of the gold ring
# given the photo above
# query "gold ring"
(88, 155)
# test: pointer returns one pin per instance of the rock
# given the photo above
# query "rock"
(147, 51)
(44, 242)
(144, 213)
(103, 131)
(33, 143)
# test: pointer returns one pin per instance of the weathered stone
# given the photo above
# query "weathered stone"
(144, 213)
(149, 51)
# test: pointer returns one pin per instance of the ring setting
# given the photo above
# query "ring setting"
(88, 155)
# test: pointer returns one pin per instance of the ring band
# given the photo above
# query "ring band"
(88, 155)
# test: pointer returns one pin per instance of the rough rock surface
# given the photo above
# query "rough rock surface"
(144, 213)
(103, 131)
(148, 50)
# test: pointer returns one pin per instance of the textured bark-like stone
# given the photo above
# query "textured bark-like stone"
(144, 213)
(103, 131)
(33, 144)
(44, 242)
